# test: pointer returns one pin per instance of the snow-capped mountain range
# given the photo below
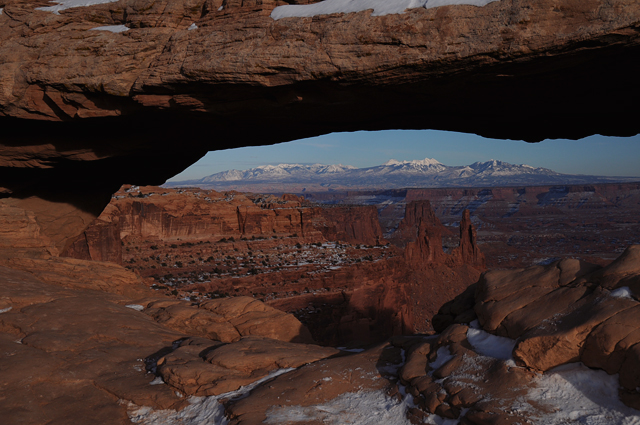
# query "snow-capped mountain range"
(391, 175)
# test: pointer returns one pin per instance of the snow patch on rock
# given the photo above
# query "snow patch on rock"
(359, 408)
(157, 381)
(490, 345)
(623, 292)
(201, 410)
(442, 356)
(68, 4)
(379, 7)
(574, 393)
(111, 28)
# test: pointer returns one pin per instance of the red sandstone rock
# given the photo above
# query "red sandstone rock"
(480, 385)
(468, 251)
(561, 314)
(204, 367)
(560, 341)
(36, 227)
(167, 214)
(252, 317)
(421, 232)
(382, 295)
(501, 292)
(318, 383)
(351, 224)
(20, 232)
(99, 242)
(606, 345)
(427, 249)
(80, 274)
(416, 212)
(229, 319)
(624, 271)
(61, 342)
(524, 226)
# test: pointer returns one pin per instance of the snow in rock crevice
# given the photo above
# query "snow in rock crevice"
(378, 7)
(622, 292)
(111, 28)
(361, 408)
(490, 345)
(68, 4)
(201, 410)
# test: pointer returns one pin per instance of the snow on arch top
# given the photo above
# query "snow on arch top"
(379, 7)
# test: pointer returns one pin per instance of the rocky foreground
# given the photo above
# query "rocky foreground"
(75, 353)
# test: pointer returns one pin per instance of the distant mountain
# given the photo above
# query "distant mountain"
(390, 175)
(278, 172)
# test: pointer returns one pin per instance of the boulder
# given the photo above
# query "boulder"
(203, 367)
(501, 292)
(318, 383)
(228, 319)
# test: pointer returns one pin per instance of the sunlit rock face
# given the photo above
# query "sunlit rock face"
(150, 100)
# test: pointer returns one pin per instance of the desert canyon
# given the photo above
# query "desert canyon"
(124, 302)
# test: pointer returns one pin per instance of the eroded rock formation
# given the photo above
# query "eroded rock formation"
(521, 226)
(198, 215)
(422, 233)
(565, 312)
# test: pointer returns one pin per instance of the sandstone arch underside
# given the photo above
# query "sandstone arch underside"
(85, 111)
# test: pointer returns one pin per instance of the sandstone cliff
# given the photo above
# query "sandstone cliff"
(196, 215)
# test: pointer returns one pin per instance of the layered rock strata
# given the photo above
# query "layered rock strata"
(521, 226)
(197, 215)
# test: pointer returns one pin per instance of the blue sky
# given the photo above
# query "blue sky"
(596, 155)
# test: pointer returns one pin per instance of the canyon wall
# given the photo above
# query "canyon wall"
(510, 201)
(195, 215)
